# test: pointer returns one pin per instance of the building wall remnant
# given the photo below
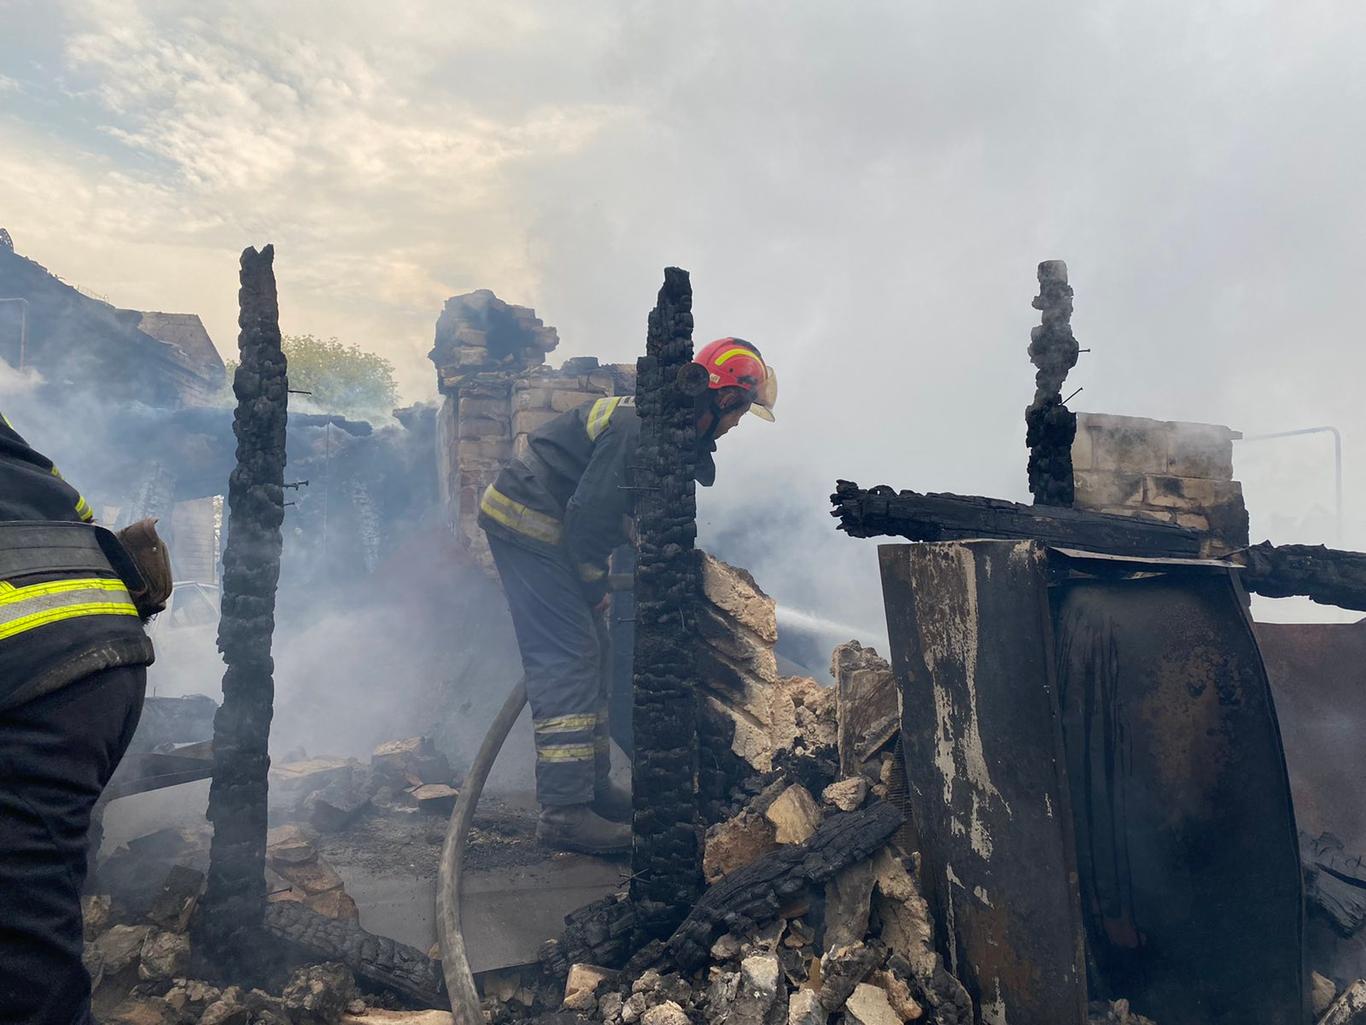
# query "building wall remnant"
(490, 358)
(749, 712)
(1178, 473)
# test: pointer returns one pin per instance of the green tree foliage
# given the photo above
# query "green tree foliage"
(342, 378)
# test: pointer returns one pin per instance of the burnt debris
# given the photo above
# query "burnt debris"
(235, 897)
(1050, 425)
(666, 860)
(883, 511)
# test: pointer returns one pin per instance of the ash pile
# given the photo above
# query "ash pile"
(812, 913)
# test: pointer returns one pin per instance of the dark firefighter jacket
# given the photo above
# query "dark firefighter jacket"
(56, 626)
(571, 491)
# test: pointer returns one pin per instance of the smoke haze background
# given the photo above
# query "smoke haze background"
(864, 191)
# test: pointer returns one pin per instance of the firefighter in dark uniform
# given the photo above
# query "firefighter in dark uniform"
(553, 517)
(73, 657)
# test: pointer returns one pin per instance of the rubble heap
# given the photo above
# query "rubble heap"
(665, 859)
(235, 898)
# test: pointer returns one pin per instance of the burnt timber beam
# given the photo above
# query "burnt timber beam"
(1323, 575)
(235, 894)
(666, 859)
(881, 511)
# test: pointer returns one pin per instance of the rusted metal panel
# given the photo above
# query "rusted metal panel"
(1318, 675)
(971, 648)
(1189, 872)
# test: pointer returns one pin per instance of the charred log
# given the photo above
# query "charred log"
(881, 511)
(1324, 575)
(235, 897)
(756, 894)
(1050, 426)
(376, 960)
(666, 861)
(1334, 882)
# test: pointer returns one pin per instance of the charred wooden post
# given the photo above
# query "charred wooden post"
(1050, 426)
(666, 861)
(235, 895)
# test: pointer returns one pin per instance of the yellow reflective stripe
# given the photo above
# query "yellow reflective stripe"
(27, 608)
(600, 415)
(565, 753)
(566, 723)
(83, 509)
(516, 516)
(721, 359)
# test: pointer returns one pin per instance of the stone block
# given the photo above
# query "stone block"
(521, 445)
(1200, 450)
(794, 814)
(1083, 456)
(493, 408)
(848, 902)
(1189, 494)
(411, 759)
(667, 1013)
(528, 420)
(1349, 1008)
(1140, 512)
(804, 1008)
(562, 401)
(736, 593)
(583, 982)
(1193, 521)
(525, 397)
(165, 955)
(869, 1005)
(1321, 993)
(471, 356)
(846, 794)
(868, 704)
(602, 381)
(483, 427)
(1098, 488)
(735, 843)
(1129, 444)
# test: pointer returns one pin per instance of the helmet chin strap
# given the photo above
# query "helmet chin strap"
(713, 409)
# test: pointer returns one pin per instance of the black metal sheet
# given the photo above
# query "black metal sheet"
(970, 642)
(1189, 873)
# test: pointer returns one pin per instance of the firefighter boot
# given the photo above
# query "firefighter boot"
(576, 827)
(612, 802)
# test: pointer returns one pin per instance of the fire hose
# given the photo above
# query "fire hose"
(455, 965)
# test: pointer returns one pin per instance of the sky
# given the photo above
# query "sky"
(864, 190)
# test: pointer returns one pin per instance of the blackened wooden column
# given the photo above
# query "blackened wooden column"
(1050, 426)
(666, 860)
(235, 896)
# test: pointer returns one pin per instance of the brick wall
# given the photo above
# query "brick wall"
(1174, 472)
(490, 360)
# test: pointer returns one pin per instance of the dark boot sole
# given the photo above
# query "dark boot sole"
(568, 844)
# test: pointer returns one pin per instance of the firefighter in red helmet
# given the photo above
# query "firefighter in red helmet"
(553, 517)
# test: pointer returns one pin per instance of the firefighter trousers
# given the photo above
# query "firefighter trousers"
(57, 752)
(565, 661)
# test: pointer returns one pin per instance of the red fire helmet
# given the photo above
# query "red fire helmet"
(736, 363)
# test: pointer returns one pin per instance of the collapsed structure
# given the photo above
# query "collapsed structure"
(926, 840)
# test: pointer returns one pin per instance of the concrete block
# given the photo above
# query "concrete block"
(1097, 488)
(1193, 521)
